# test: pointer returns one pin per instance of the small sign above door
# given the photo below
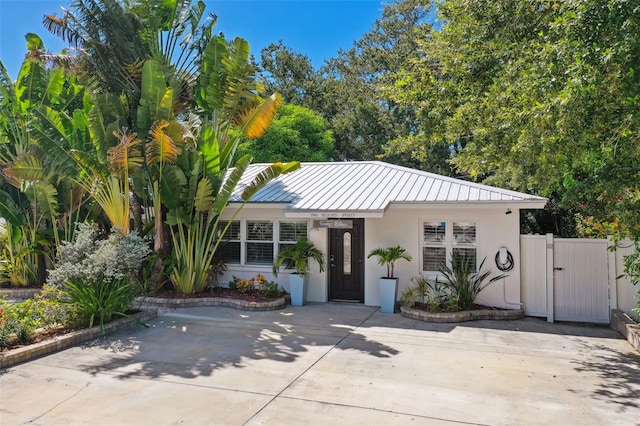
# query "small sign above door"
(335, 224)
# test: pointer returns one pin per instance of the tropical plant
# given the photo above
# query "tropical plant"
(389, 256)
(37, 200)
(99, 301)
(463, 284)
(432, 294)
(196, 184)
(416, 292)
(111, 40)
(297, 257)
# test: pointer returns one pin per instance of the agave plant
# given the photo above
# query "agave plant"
(463, 284)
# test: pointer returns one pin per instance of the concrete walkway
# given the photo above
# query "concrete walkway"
(336, 364)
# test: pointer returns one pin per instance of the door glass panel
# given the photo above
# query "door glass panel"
(346, 245)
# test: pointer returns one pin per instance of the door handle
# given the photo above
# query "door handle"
(558, 269)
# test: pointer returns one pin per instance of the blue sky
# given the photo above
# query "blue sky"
(316, 28)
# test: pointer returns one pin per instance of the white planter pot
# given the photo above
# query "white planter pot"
(388, 294)
(298, 288)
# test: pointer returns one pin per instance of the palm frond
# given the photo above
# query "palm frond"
(126, 156)
(257, 120)
(267, 175)
(161, 148)
(204, 196)
(222, 199)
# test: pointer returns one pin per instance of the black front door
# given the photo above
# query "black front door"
(346, 263)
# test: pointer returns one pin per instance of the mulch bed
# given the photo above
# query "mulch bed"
(226, 293)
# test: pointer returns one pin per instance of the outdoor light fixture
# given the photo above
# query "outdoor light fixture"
(508, 211)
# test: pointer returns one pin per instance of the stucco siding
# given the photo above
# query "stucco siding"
(402, 225)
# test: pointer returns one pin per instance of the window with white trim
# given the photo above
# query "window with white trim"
(441, 239)
(229, 248)
(464, 243)
(259, 242)
(290, 232)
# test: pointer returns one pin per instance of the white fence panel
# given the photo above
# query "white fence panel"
(626, 293)
(533, 252)
(575, 279)
(581, 280)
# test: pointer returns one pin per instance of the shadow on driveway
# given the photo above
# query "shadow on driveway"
(190, 346)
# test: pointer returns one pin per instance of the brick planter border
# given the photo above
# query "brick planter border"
(59, 343)
(624, 325)
(480, 314)
(19, 293)
(146, 302)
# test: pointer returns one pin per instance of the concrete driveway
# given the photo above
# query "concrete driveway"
(330, 364)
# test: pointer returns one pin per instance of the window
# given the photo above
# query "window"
(259, 243)
(464, 243)
(443, 239)
(229, 248)
(256, 242)
(434, 250)
(290, 232)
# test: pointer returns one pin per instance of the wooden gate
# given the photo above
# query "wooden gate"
(565, 279)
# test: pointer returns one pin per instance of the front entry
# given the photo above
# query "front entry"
(346, 263)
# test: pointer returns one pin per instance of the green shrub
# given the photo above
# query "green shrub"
(93, 260)
(99, 301)
(425, 292)
(270, 289)
(462, 284)
(18, 321)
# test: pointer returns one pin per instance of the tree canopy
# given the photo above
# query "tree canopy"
(296, 133)
(535, 96)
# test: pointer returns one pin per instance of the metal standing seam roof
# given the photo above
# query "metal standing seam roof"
(362, 186)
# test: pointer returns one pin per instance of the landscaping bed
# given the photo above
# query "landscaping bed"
(224, 297)
(476, 313)
(61, 339)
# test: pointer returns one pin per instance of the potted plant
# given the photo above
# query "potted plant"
(389, 284)
(297, 257)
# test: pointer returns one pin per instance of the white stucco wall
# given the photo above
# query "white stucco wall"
(318, 288)
(403, 225)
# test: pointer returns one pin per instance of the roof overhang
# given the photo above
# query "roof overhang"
(516, 204)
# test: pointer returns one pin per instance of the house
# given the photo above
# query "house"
(349, 208)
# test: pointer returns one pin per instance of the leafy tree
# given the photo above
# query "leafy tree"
(348, 90)
(539, 97)
(296, 133)
(289, 73)
(157, 124)
(36, 198)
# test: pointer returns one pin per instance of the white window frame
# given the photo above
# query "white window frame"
(221, 225)
(248, 241)
(276, 240)
(280, 241)
(448, 243)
